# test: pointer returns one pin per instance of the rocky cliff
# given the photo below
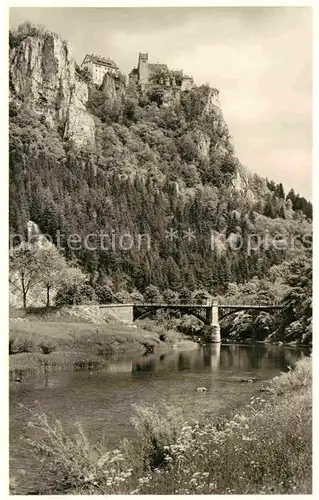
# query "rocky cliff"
(42, 73)
(117, 160)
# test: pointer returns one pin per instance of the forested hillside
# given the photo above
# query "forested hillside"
(113, 159)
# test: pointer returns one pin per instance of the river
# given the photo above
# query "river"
(102, 400)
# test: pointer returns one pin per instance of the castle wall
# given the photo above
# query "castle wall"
(98, 71)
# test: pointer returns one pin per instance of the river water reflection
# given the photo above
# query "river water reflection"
(102, 400)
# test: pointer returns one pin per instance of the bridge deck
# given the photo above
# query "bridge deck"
(250, 307)
(202, 306)
(179, 306)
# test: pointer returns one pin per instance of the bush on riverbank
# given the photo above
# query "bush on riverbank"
(266, 448)
(187, 324)
(289, 284)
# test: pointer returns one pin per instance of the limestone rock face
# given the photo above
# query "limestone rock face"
(36, 237)
(42, 73)
(212, 102)
(171, 96)
(79, 123)
(203, 144)
(113, 86)
(241, 185)
(108, 86)
(212, 110)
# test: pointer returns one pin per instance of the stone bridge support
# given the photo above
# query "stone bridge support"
(122, 312)
(213, 321)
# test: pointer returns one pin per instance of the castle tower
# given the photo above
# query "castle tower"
(143, 72)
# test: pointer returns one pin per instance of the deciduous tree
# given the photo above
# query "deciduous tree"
(23, 268)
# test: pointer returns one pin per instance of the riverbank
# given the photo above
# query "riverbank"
(266, 447)
(58, 345)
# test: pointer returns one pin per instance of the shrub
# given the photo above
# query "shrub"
(79, 467)
(65, 297)
(157, 427)
(104, 294)
(156, 93)
(188, 324)
(11, 346)
(137, 297)
(185, 296)
(187, 148)
(170, 296)
(85, 294)
(162, 337)
(122, 298)
(85, 75)
(239, 325)
(47, 347)
(200, 296)
(21, 343)
(152, 294)
(298, 378)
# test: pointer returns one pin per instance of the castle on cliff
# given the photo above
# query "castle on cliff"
(144, 75)
(145, 72)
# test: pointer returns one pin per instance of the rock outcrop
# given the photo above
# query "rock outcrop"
(113, 86)
(212, 102)
(203, 144)
(43, 73)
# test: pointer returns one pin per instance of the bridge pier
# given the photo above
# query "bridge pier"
(212, 320)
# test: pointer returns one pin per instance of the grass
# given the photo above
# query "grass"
(266, 448)
(57, 345)
(37, 362)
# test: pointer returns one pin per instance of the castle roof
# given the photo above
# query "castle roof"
(157, 67)
(103, 61)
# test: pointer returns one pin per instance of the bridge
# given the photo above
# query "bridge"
(210, 312)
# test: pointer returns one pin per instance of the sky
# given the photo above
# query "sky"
(260, 59)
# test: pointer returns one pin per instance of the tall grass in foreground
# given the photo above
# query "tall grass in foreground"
(267, 448)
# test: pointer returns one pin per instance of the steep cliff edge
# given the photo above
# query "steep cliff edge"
(45, 77)
(42, 73)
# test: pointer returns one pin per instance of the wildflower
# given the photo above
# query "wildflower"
(89, 478)
(242, 418)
